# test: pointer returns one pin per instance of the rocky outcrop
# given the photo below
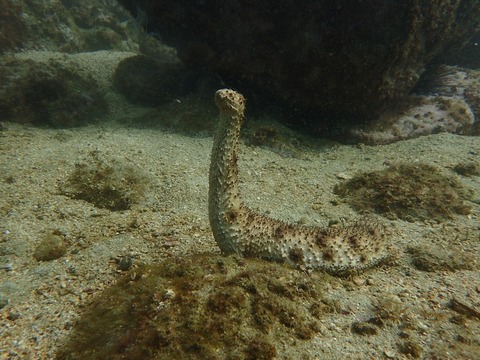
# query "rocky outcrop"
(339, 58)
(55, 71)
(69, 26)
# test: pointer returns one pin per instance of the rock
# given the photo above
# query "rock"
(411, 349)
(51, 247)
(144, 81)
(364, 328)
(125, 263)
(431, 259)
(74, 26)
(69, 26)
(13, 26)
(48, 94)
(106, 182)
(446, 100)
(427, 115)
(4, 302)
(339, 58)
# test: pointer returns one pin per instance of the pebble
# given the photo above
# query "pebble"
(169, 294)
(3, 302)
(364, 328)
(344, 176)
(12, 316)
(125, 263)
(389, 354)
(358, 281)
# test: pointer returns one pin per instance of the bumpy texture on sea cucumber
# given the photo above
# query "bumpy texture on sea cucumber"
(238, 229)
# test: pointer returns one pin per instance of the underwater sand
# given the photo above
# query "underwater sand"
(46, 298)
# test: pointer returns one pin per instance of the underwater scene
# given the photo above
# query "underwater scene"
(206, 179)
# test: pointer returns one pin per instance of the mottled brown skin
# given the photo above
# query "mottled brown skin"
(238, 229)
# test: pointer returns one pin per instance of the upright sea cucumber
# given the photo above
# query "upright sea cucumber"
(238, 229)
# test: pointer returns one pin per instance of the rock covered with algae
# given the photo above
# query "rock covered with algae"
(202, 307)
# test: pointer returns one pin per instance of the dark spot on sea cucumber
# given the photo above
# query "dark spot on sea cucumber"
(354, 241)
(296, 256)
(231, 216)
(320, 240)
(328, 255)
(278, 232)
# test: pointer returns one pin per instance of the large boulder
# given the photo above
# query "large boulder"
(342, 58)
(69, 26)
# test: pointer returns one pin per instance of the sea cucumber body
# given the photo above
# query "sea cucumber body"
(238, 229)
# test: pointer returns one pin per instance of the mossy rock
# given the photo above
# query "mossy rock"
(48, 95)
(411, 192)
(201, 307)
(51, 247)
(106, 183)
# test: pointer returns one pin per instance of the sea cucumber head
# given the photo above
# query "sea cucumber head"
(230, 102)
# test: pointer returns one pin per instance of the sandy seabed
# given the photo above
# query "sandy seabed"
(41, 300)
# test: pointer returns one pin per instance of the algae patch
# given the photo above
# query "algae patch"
(430, 259)
(275, 137)
(411, 192)
(106, 183)
(467, 168)
(202, 307)
(52, 246)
